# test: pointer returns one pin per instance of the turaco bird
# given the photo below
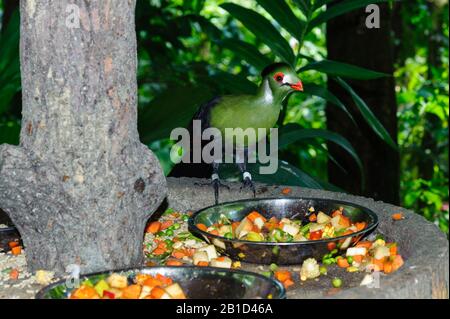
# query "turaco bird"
(260, 110)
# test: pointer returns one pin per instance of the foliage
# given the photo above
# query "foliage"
(190, 50)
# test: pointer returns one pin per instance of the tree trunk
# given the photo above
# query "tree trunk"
(80, 186)
(350, 41)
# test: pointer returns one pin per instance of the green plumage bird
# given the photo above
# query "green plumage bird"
(260, 110)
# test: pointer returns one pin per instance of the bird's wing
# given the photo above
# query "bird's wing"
(204, 111)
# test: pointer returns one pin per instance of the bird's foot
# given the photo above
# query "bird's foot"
(247, 182)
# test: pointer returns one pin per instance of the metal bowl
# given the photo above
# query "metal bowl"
(196, 282)
(287, 253)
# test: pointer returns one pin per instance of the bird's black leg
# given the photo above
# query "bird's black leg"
(246, 176)
(216, 182)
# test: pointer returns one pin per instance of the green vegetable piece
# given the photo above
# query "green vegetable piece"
(305, 228)
(336, 282)
(253, 236)
(273, 267)
(350, 259)
(327, 261)
(101, 286)
(88, 283)
(228, 235)
(323, 270)
(333, 252)
(169, 211)
(176, 226)
(169, 232)
(267, 273)
(379, 236)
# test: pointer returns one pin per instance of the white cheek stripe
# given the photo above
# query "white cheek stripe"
(214, 176)
(247, 175)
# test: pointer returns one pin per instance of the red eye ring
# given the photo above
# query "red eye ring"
(279, 76)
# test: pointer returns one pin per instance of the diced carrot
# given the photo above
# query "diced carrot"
(287, 283)
(152, 282)
(221, 258)
(398, 216)
(312, 217)
(344, 221)
(178, 254)
(166, 224)
(165, 280)
(254, 214)
(153, 227)
(316, 235)
(342, 262)
(202, 227)
(397, 262)
(214, 232)
(13, 244)
(16, 250)
(158, 251)
(387, 267)
(175, 214)
(378, 263)
(14, 274)
(331, 245)
(282, 275)
(360, 225)
(162, 245)
(202, 264)
(358, 258)
(157, 292)
(365, 244)
(234, 225)
(336, 212)
(393, 249)
(131, 292)
(286, 190)
(174, 263)
(189, 252)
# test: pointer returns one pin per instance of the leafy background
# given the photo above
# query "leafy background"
(191, 50)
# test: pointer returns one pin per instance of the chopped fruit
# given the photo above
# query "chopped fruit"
(131, 292)
(117, 281)
(14, 274)
(342, 262)
(175, 291)
(398, 216)
(84, 292)
(16, 250)
(153, 227)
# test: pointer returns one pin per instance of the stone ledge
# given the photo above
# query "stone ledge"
(424, 247)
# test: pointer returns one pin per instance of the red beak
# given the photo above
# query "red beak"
(297, 86)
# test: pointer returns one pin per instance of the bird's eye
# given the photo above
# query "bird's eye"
(278, 76)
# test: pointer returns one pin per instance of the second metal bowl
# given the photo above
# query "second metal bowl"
(285, 253)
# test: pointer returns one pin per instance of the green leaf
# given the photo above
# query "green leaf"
(234, 84)
(262, 29)
(304, 5)
(370, 118)
(281, 12)
(247, 52)
(292, 133)
(173, 108)
(320, 91)
(339, 9)
(320, 3)
(343, 69)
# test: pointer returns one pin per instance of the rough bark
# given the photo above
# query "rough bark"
(81, 185)
(350, 41)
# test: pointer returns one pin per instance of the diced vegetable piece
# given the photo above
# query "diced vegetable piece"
(252, 236)
(342, 262)
(175, 291)
(16, 250)
(336, 282)
(352, 251)
(331, 246)
(101, 286)
(159, 293)
(315, 235)
(44, 277)
(346, 243)
(398, 216)
(14, 274)
(225, 229)
(381, 252)
(200, 256)
(312, 217)
(174, 263)
(291, 229)
(108, 295)
(282, 275)
(222, 262)
(153, 227)
(84, 292)
(244, 227)
(131, 292)
(210, 251)
(117, 281)
(365, 244)
(13, 244)
(367, 280)
(323, 218)
(310, 269)
(397, 262)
